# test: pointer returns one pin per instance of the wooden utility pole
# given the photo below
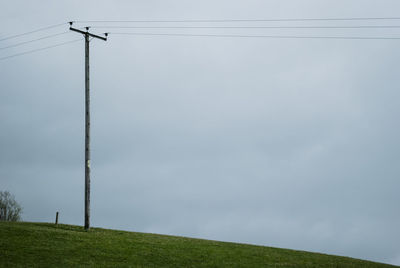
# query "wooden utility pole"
(87, 35)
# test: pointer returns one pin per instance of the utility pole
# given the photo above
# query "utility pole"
(87, 35)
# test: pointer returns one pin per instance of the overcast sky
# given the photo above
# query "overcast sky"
(279, 142)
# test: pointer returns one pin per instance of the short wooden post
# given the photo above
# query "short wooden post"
(57, 218)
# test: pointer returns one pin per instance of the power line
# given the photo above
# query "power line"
(260, 36)
(211, 35)
(34, 40)
(242, 20)
(39, 49)
(34, 31)
(250, 27)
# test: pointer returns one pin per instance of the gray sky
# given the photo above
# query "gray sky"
(285, 143)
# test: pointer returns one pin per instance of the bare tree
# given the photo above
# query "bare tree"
(10, 210)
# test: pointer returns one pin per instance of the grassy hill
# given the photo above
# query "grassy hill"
(47, 245)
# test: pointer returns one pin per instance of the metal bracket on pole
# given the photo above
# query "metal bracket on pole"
(89, 34)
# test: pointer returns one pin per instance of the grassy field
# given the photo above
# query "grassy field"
(46, 245)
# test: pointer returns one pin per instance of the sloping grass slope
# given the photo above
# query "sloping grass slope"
(47, 245)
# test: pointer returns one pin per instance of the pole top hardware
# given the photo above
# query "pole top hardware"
(88, 34)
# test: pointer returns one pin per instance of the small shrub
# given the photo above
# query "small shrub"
(10, 210)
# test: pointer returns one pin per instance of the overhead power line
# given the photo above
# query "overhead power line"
(214, 27)
(34, 40)
(40, 49)
(259, 36)
(242, 20)
(34, 31)
(249, 27)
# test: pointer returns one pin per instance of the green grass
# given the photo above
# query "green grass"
(46, 245)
